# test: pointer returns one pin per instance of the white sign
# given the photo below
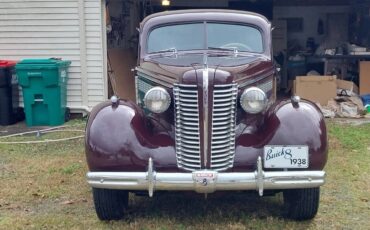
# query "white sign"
(285, 156)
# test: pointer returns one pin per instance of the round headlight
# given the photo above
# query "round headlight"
(253, 100)
(157, 100)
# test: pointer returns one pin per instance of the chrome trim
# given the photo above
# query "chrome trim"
(136, 89)
(266, 86)
(259, 173)
(223, 126)
(150, 177)
(295, 100)
(258, 180)
(187, 128)
(205, 115)
(141, 86)
(162, 90)
(219, 142)
(245, 92)
(114, 100)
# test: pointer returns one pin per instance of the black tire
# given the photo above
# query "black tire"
(301, 204)
(110, 204)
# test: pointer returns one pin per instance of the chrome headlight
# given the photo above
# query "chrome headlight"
(253, 100)
(157, 100)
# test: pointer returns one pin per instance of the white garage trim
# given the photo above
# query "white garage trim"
(83, 75)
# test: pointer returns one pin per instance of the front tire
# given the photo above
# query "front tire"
(301, 204)
(110, 204)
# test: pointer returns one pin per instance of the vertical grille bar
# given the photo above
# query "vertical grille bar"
(223, 126)
(187, 127)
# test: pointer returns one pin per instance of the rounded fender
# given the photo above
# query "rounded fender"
(298, 124)
(118, 139)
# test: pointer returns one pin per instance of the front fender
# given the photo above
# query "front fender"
(300, 125)
(118, 139)
(286, 124)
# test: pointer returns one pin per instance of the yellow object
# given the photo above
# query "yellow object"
(166, 2)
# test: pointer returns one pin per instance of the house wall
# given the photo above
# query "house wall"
(67, 29)
(96, 53)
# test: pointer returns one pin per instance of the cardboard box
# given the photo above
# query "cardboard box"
(364, 77)
(346, 88)
(319, 89)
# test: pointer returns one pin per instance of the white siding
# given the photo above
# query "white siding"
(67, 29)
(95, 51)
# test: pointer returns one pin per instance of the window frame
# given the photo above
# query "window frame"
(205, 22)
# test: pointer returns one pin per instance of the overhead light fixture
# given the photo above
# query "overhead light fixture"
(166, 2)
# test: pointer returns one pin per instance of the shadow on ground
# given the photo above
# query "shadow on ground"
(218, 208)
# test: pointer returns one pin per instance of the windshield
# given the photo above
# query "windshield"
(192, 36)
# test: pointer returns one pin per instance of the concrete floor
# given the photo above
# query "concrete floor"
(19, 127)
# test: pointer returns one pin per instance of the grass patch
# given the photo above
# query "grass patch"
(46, 189)
(71, 169)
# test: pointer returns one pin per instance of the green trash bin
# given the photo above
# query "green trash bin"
(44, 87)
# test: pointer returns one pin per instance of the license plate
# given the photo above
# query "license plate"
(285, 156)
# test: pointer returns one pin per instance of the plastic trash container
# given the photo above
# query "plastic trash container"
(9, 94)
(366, 101)
(44, 86)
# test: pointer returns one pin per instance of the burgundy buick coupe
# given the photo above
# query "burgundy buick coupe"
(206, 119)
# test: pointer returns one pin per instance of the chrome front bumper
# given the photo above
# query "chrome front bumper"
(206, 181)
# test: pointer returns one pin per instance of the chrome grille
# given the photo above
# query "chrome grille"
(187, 127)
(223, 126)
(266, 86)
(142, 85)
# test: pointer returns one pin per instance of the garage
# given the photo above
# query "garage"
(123, 18)
(321, 37)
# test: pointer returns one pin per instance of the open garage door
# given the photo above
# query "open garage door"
(304, 33)
(123, 18)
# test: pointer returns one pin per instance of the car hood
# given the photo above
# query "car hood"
(222, 68)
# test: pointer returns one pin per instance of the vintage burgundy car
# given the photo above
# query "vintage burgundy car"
(206, 119)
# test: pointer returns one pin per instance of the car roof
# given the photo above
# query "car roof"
(193, 13)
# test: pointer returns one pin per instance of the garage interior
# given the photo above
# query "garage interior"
(319, 37)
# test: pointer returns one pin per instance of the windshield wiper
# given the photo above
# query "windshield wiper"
(165, 52)
(234, 49)
(222, 49)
